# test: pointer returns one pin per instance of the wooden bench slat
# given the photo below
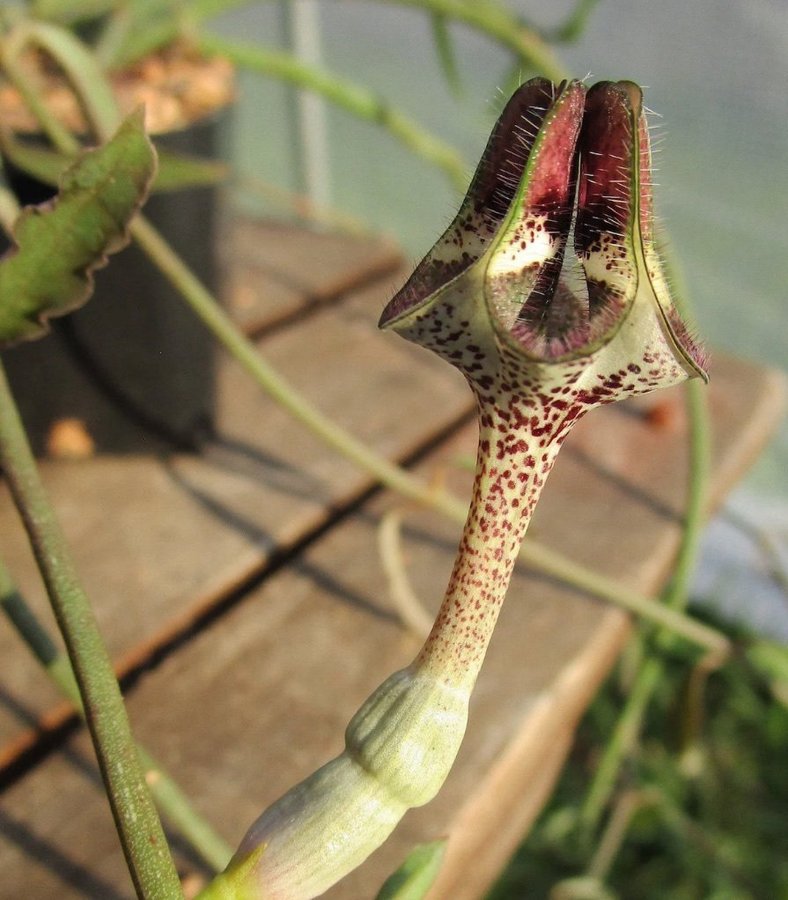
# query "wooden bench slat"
(272, 272)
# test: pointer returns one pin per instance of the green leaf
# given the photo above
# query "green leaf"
(60, 244)
(415, 876)
(175, 171)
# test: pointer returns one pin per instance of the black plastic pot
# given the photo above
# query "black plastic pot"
(133, 367)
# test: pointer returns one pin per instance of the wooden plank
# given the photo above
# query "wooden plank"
(261, 698)
(274, 272)
(159, 540)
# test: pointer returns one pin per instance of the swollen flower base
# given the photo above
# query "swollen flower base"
(540, 340)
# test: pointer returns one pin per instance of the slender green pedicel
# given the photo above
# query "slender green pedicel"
(492, 299)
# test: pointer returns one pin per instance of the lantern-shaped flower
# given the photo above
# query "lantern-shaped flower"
(566, 173)
(546, 291)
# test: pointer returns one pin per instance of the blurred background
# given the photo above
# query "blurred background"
(715, 75)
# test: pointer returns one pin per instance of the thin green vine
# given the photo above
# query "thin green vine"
(501, 26)
(144, 845)
(627, 730)
(171, 800)
(359, 101)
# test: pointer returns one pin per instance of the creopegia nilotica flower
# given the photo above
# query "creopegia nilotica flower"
(547, 292)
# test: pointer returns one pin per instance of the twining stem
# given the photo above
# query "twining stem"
(124, 41)
(620, 743)
(353, 98)
(80, 67)
(573, 26)
(169, 797)
(500, 25)
(628, 806)
(144, 845)
(628, 727)
(60, 136)
(695, 505)
(406, 603)
(36, 637)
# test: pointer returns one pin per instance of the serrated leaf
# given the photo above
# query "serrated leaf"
(175, 171)
(415, 876)
(60, 244)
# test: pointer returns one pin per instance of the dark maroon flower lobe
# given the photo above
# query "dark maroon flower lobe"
(553, 251)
